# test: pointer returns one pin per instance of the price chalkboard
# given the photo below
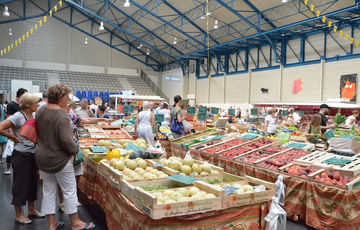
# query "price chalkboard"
(301, 113)
(231, 112)
(202, 110)
(214, 111)
(159, 117)
(201, 117)
(190, 110)
(254, 112)
(128, 109)
(285, 113)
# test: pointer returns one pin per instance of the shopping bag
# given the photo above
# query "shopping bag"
(29, 131)
(8, 148)
(280, 190)
(276, 218)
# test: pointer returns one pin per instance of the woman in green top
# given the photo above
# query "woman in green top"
(313, 131)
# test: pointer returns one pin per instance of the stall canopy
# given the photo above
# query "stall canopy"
(308, 105)
(136, 98)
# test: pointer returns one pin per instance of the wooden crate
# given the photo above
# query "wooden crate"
(352, 185)
(236, 200)
(282, 169)
(147, 202)
(351, 169)
(313, 157)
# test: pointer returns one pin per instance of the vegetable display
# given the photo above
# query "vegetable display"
(339, 119)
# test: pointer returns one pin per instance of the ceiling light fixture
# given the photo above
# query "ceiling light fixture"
(208, 13)
(139, 47)
(101, 25)
(216, 24)
(10, 32)
(127, 3)
(284, 1)
(175, 41)
(6, 12)
(147, 52)
(86, 41)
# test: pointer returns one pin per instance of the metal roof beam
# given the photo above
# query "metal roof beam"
(260, 13)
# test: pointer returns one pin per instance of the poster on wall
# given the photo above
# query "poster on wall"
(348, 87)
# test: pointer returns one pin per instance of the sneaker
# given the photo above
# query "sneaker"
(7, 172)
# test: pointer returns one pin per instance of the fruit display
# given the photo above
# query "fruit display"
(273, 149)
(98, 135)
(206, 144)
(123, 143)
(117, 134)
(235, 152)
(282, 159)
(241, 189)
(194, 136)
(188, 166)
(135, 170)
(184, 194)
(298, 170)
(87, 142)
(334, 178)
(224, 146)
(255, 156)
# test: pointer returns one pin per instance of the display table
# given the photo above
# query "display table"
(320, 206)
(122, 214)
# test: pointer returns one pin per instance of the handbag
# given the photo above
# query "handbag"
(79, 158)
(177, 127)
(29, 130)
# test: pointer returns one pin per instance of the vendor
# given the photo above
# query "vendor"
(270, 122)
(101, 112)
(166, 112)
(238, 113)
(324, 111)
(313, 132)
(145, 123)
(351, 120)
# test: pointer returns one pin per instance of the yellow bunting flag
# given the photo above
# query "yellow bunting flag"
(312, 7)
(318, 13)
(24, 37)
(306, 2)
(346, 37)
(35, 26)
(8, 48)
(324, 19)
(19, 40)
(357, 44)
(31, 31)
(40, 23)
(341, 33)
(55, 8)
(27, 34)
(2, 53)
(16, 43)
(5, 51)
(351, 40)
(60, 3)
(45, 18)
(335, 28)
(329, 24)
(50, 13)
(12, 45)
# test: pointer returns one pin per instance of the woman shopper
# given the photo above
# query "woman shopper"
(270, 122)
(25, 178)
(54, 155)
(3, 139)
(145, 123)
(351, 120)
(176, 117)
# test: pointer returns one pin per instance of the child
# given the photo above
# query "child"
(313, 131)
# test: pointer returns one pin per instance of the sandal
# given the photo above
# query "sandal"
(60, 226)
(87, 226)
(28, 221)
(36, 216)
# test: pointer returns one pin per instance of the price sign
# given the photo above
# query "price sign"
(125, 108)
(130, 108)
(254, 112)
(158, 165)
(231, 112)
(202, 110)
(159, 117)
(183, 179)
(301, 113)
(285, 113)
(230, 190)
(214, 111)
(190, 110)
(201, 117)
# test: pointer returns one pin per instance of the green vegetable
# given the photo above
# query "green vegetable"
(215, 181)
(155, 188)
(339, 119)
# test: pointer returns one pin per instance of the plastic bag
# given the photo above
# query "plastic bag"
(137, 152)
(259, 188)
(280, 190)
(187, 126)
(8, 148)
(158, 147)
(276, 218)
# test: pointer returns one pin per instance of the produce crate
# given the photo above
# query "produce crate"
(351, 169)
(147, 202)
(236, 200)
(254, 156)
(91, 163)
(349, 186)
(117, 134)
(308, 171)
(297, 138)
(313, 157)
(281, 159)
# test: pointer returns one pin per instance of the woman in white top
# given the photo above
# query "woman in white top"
(270, 122)
(351, 120)
(166, 112)
(144, 124)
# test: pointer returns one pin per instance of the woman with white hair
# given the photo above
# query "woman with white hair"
(144, 124)
(24, 188)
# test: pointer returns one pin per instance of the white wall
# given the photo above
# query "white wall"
(171, 87)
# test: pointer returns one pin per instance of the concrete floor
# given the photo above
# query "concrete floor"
(88, 213)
